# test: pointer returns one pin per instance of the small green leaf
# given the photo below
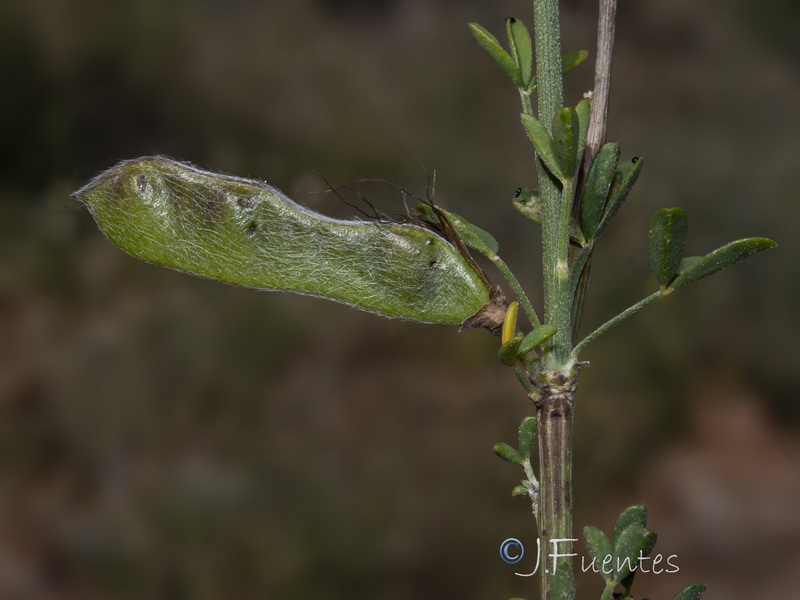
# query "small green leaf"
(529, 203)
(509, 352)
(696, 267)
(625, 177)
(543, 143)
(473, 236)
(599, 548)
(493, 48)
(523, 489)
(632, 517)
(507, 453)
(633, 514)
(597, 185)
(566, 138)
(526, 436)
(693, 592)
(570, 60)
(583, 110)
(627, 546)
(521, 49)
(644, 551)
(536, 337)
(669, 229)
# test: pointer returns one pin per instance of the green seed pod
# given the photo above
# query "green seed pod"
(247, 233)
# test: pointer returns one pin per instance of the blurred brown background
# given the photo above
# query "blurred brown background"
(165, 437)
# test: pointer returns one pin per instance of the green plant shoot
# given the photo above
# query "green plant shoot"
(245, 232)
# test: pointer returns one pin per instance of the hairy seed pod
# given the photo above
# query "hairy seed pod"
(248, 233)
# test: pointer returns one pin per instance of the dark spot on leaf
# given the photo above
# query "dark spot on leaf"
(142, 183)
(246, 202)
(517, 192)
(209, 203)
(433, 262)
(118, 189)
(252, 229)
(635, 159)
(212, 205)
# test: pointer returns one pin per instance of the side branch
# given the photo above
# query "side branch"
(598, 120)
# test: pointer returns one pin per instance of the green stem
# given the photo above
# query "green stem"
(608, 592)
(525, 98)
(630, 311)
(523, 379)
(547, 36)
(554, 407)
(555, 243)
(529, 474)
(514, 283)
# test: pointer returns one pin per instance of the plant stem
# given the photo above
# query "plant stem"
(554, 414)
(598, 120)
(523, 379)
(555, 244)
(514, 283)
(595, 137)
(525, 99)
(631, 310)
(555, 401)
(608, 592)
